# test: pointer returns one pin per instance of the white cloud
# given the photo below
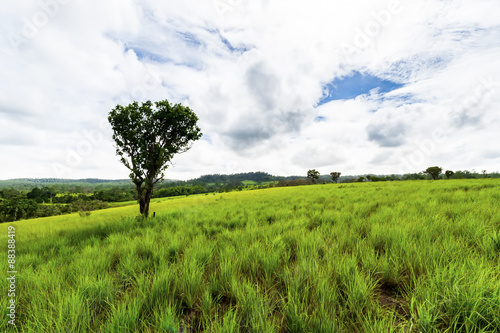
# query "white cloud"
(253, 71)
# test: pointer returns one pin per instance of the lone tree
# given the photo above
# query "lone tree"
(448, 174)
(313, 175)
(147, 137)
(434, 172)
(335, 176)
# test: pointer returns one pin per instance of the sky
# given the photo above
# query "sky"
(368, 86)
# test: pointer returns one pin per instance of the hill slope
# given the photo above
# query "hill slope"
(364, 257)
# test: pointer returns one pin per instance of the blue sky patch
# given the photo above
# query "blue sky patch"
(206, 138)
(356, 84)
(145, 55)
(189, 38)
(231, 47)
(403, 99)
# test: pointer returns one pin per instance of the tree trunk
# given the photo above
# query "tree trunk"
(144, 203)
(146, 208)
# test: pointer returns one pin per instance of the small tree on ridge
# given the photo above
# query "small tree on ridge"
(335, 176)
(434, 172)
(313, 175)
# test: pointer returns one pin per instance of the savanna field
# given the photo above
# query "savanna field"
(412, 256)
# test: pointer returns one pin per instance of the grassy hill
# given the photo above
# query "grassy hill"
(366, 257)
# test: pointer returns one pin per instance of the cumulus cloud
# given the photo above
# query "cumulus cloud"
(254, 72)
(387, 135)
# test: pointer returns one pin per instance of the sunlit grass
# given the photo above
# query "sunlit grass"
(371, 257)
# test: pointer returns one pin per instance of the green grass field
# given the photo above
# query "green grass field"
(407, 256)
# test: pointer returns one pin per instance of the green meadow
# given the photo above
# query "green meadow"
(412, 256)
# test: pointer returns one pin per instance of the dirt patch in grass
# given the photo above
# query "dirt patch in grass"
(389, 297)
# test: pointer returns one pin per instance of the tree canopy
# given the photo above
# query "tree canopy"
(335, 176)
(147, 137)
(313, 175)
(434, 172)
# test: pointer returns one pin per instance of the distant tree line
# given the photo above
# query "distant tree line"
(295, 182)
(437, 173)
(15, 205)
(258, 177)
(217, 183)
(172, 191)
(434, 173)
(50, 195)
